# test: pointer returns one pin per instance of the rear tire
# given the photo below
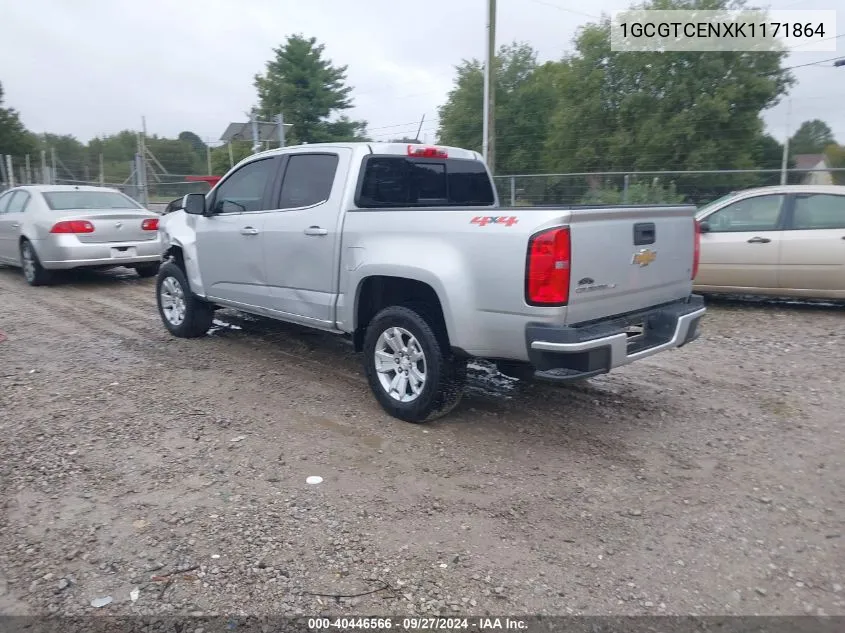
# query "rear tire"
(34, 273)
(183, 314)
(147, 270)
(411, 370)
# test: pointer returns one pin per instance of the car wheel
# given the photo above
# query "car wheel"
(182, 313)
(147, 270)
(34, 273)
(410, 368)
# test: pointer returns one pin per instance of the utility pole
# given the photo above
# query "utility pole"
(489, 127)
(231, 155)
(256, 143)
(280, 119)
(208, 157)
(53, 173)
(10, 171)
(28, 171)
(419, 129)
(45, 175)
(785, 160)
(102, 172)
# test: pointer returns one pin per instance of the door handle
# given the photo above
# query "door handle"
(316, 230)
(248, 230)
(16, 225)
(759, 240)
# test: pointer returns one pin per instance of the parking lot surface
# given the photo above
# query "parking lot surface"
(706, 480)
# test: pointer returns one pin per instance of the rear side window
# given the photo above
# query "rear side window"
(4, 200)
(396, 181)
(819, 211)
(18, 203)
(308, 180)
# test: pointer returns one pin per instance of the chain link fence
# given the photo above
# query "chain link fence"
(141, 180)
(143, 183)
(650, 187)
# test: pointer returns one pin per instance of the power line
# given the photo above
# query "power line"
(565, 9)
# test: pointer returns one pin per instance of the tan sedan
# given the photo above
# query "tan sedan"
(786, 241)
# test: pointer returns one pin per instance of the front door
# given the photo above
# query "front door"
(302, 235)
(813, 250)
(230, 241)
(741, 249)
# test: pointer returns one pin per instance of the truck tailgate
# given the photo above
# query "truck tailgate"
(627, 259)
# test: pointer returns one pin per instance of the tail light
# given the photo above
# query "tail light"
(549, 263)
(150, 224)
(421, 151)
(697, 249)
(72, 226)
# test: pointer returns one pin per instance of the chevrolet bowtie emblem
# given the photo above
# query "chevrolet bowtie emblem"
(643, 257)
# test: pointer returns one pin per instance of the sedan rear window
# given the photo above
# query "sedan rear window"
(396, 181)
(65, 200)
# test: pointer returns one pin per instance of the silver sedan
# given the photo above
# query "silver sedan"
(44, 228)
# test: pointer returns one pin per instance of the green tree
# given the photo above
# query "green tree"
(177, 157)
(811, 137)
(309, 90)
(524, 98)
(194, 141)
(72, 157)
(14, 137)
(836, 158)
(220, 156)
(620, 111)
(638, 193)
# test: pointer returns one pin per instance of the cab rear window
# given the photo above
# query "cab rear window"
(397, 181)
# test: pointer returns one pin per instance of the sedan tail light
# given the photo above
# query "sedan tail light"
(72, 226)
(549, 263)
(150, 224)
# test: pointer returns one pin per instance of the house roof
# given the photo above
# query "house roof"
(808, 161)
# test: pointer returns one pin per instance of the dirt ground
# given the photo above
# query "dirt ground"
(706, 480)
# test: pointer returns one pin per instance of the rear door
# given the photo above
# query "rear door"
(12, 207)
(302, 234)
(5, 229)
(813, 249)
(626, 259)
(741, 248)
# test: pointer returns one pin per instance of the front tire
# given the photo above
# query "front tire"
(411, 370)
(182, 313)
(34, 273)
(147, 270)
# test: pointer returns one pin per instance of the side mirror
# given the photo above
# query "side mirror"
(194, 203)
(704, 227)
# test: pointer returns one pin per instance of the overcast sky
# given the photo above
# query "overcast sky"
(94, 67)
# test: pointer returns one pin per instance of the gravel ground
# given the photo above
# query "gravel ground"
(706, 480)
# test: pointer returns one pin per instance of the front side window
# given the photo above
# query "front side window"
(760, 213)
(819, 211)
(244, 189)
(308, 180)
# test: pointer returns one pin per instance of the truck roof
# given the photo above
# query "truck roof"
(399, 149)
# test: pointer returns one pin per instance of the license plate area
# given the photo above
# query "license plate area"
(122, 252)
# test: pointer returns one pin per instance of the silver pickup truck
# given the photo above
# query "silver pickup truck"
(406, 249)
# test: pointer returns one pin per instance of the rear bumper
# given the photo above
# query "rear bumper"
(562, 354)
(68, 252)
